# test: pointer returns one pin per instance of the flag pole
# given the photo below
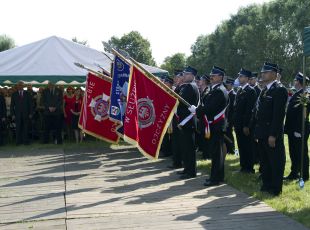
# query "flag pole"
(105, 77)
(116, 53)
(153, 78)
(161, 84)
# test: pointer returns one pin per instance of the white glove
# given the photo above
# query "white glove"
(192, 109)
(298, 135)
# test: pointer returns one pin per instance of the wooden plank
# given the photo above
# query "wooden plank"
(119, 189)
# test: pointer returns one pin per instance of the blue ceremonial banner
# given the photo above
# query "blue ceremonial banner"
(118, 99)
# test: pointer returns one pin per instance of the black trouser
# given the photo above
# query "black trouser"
(273, 164)
(176, 149)
(52, 123)
(22, 130)
(166, 145)
(215, 149)
(187, 144)
(245, 149)
(2, 132)
(230, 144)
(295, 155)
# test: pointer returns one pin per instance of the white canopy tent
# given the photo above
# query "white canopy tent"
(52, 59)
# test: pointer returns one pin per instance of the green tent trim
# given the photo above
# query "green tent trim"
(59, 79)
(41, 79)
(307, 41)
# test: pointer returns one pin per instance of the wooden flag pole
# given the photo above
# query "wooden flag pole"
(160, 83)
(105, 77)
(152, 77)
(155, 79)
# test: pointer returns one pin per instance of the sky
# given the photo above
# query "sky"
(171, 26)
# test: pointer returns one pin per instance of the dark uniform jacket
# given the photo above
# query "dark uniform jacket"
(52, 99)
(257, 90)
(213, 103)
(204, 93)
(190, 93)
(2, 107)
(293, 122)
(271, 111)
(21, 107)
(244, 104)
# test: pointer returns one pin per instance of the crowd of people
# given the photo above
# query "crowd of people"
(260, 110)
(49, 115)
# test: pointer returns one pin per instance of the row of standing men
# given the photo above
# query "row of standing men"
(23, 110)
(255, 112)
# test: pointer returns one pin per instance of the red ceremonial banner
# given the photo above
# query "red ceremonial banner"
(149, 112)
(95, 110)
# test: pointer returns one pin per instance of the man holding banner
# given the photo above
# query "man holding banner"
(190, 93)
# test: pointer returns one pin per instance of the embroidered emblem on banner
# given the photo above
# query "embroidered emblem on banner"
(119, 66)
(146, 112)
(100, 107)
(115, 110)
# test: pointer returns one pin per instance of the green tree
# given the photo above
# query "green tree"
(257, 33)
(84, 42)
(6, 42)
(134, 44)
(176, 61)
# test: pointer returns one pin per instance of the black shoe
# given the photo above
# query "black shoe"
(274, 192)
(290, 177)
(174, 167)
(264, 189)
(186, 176)
(211, 183)
(181, 172)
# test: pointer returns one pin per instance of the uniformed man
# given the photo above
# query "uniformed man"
(254, 84)
(244, 104)
(213, 110)
(204, 85)
(197, 81)
(189, 91)
(166, 146)
(293, 128)
(176, 150)
(204, 88)
(230, 144)
(279, 76)
(269, 129)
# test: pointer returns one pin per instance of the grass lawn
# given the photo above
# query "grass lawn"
(293, 202)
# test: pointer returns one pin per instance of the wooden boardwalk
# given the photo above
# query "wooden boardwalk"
(118, 189)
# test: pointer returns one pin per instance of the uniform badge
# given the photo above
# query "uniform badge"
(146, 112)
(100, 107)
